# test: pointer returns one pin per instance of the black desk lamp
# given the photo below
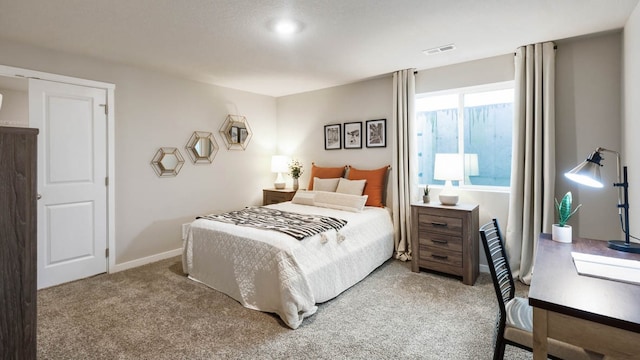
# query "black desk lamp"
(588, 173)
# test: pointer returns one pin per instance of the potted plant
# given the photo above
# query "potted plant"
(561, 231)
(425, 195)
(295, 170)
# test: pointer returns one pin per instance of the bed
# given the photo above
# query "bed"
(273, 272)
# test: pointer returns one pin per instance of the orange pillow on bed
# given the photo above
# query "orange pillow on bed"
(324, 173)
(375, 185)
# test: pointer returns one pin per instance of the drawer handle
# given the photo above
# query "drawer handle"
(443, 257)
(438, 223)
(439, 241)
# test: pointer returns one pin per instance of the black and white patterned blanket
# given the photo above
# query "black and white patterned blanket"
(297, 225)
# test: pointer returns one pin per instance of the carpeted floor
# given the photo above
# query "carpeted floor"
(155, 312)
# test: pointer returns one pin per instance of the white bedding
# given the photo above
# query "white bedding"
(273, 272)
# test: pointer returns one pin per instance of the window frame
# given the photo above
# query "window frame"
(461, 92)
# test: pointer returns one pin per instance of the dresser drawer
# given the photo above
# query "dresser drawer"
(439, 224)
(431, 257)
(441, 241)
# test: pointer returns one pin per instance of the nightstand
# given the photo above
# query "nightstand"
(274, 196)
(445, 239)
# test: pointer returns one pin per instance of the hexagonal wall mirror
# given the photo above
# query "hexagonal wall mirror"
(236, 132)
(167, 162)
(202, 147)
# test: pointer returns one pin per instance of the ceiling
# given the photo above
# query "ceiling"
(228, 42)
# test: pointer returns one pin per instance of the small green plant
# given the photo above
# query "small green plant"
(426, 190)
(564, 208)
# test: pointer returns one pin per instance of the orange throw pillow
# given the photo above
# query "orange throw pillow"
(324, 173)
(375, 185)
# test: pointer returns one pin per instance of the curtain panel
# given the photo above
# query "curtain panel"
(531, 203)
(404, 150)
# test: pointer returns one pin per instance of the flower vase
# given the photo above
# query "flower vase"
(295, 184)
(425, 199)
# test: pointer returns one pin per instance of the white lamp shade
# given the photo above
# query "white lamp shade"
(279, 163)
(587, 173)
(448, 167)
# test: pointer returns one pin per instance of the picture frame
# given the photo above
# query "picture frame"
(332, 137)
(353, 135)
(376, 133)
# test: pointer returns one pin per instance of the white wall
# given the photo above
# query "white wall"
(631, 115)
(15, 106)
(588, 115)
(301, 120)
(152, 110)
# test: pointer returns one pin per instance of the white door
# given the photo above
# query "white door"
(72, 170)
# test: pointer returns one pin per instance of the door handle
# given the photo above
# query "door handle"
(39, 196)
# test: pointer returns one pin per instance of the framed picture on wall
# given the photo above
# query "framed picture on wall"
(353, 135)
(376, 133)
(332, 137)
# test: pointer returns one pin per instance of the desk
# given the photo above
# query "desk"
(596, 314)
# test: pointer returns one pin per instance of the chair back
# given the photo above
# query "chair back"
(498, 263)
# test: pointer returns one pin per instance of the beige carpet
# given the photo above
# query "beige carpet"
(155, 312)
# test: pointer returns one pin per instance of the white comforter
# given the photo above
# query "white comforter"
(273, 272)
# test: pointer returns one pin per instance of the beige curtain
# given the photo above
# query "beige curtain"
(531, 204)
(402, 170)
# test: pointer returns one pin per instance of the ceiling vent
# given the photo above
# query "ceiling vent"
(439, 49)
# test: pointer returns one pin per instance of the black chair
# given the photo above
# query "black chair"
(514, 325)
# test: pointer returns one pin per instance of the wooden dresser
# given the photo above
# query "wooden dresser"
(445, 239)
(18, 281)
(274, 196)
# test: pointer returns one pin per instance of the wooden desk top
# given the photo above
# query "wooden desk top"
(556, 285)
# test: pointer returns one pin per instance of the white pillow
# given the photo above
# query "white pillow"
(325, 184)
(303, 197)
(352, 187)
(335, 200)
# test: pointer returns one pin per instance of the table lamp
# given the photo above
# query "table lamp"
(448, 167)
(279, 165)
(588, 173)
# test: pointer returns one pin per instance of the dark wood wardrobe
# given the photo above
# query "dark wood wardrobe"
(18, 245)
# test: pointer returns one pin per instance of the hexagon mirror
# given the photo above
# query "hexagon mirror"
(167, 162)
(236, 132)
(202, 147)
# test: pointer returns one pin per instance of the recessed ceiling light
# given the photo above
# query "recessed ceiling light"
(286, 27)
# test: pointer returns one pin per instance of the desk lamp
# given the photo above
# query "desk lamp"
(279, 165)
(448, 167)
(588, 173)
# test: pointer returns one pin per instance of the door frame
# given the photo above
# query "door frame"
(10, 71)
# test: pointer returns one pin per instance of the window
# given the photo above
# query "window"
(474, 122)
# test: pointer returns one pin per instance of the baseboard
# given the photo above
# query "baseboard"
(484, 268)
(144, 261)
